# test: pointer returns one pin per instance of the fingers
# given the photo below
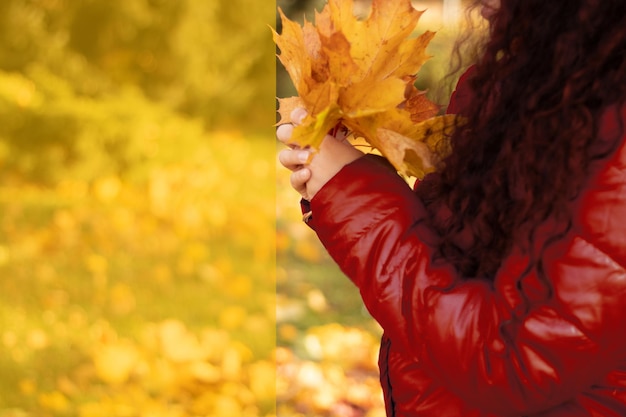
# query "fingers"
(283, 132)
(310, 174)
(293, 159)
(299, 181)
(297, 115)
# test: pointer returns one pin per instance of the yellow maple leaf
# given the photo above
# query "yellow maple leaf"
(361, 74)
(115, 361)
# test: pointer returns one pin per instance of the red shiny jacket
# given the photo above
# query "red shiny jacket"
(454, 347)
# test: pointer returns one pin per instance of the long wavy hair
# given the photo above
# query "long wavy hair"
(545, 74)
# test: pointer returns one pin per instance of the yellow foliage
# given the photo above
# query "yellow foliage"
(126, 229)
(262, 376)
(157, 409)
(178, 344)
(239, 286)
(107, 189)
(226, 406)
(4, 255)
(21, 90)
(37, 339)
(214, 342)
(308, 250)
(361, 74)
(331, 382)
(232, 317)
(122, 299)
(27, 386)
(287, 332)
(97, 264)
(54, 401)
(115, 361)
(231, 363)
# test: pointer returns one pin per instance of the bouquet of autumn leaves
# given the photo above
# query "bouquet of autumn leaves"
(361, 74)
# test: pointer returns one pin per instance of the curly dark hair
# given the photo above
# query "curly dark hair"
(546, 72)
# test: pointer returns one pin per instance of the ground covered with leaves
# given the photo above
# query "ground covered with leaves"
(137, 238)
(327, 343)
(145, 297)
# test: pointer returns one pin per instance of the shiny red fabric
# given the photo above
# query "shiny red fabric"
(466, 347)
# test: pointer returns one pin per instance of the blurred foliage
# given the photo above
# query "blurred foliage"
(141, 298)
(79, 76)
(203, 58)
(326, 360)
(138, 268)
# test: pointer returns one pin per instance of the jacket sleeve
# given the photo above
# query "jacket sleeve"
(465, 331)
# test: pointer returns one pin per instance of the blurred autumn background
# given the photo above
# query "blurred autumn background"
(327, 344)
(137, 208)
(152, 258)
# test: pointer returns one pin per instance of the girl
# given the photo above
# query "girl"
(500, 280)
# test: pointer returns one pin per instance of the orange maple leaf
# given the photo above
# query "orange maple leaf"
(361, 73)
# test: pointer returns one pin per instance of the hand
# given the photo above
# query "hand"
(308, 178)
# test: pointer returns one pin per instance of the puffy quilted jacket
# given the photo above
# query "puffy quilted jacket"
(466, 347)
